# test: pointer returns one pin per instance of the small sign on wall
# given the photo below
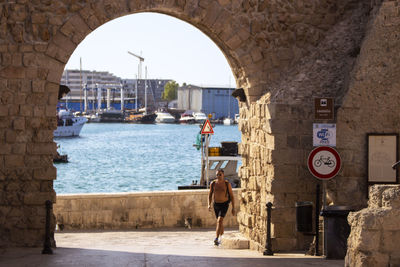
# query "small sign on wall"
(324, 134)
(323, 108)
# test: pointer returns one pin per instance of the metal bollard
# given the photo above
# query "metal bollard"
(317, 211)
(268, 243)
(47, 243)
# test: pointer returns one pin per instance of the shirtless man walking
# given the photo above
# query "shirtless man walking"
(222, 192)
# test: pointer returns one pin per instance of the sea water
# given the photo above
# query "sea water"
(121, 157)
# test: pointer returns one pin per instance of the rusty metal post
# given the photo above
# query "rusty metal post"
(47, 243)
(268, 243)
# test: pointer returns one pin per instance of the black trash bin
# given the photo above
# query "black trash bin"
(336, 231)
(304, 216)
(229, 148)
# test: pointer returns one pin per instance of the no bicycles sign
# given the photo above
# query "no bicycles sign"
(324, 162)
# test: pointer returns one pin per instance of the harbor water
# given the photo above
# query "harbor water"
(120, 157)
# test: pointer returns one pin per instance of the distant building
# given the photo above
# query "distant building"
(155, 88)
(91, 81)
(76, 79)
(211, 100)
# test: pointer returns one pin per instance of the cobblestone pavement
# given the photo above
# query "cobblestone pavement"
(176, 247)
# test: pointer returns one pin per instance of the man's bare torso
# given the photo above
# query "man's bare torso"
(220, 191)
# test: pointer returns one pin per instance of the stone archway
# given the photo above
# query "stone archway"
(276, 49)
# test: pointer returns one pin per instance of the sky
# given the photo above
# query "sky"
(171, 48)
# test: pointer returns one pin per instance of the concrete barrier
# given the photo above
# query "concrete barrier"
(160, 209)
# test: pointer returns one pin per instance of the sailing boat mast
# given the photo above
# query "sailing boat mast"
(136, 95)
(145, 91)
(229, 98)
(80, 76)
(141, 59)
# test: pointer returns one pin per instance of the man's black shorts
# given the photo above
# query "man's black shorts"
(220, 209)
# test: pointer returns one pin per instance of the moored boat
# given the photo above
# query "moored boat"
(164, 117)
(187, 117)
(199, 117)
(228, 121)
(57, 158)
(68, 125)
(111, 116)
(141, 118)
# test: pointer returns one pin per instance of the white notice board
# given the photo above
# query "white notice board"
(382, 154)
(324, 134)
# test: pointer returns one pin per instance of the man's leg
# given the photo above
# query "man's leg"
(216, 242)
(220, 226)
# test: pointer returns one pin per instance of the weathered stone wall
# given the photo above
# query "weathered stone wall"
(375, 231)
(259, 39)
(277, 133)
(283, 53)
(370, 104)
(138, 210)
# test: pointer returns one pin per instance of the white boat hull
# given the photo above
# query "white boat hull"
(228, 121)
(71, 130)
(164, 118)
(199, 117)
(187, 120)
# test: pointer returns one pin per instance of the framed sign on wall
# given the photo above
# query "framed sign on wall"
(382, 154)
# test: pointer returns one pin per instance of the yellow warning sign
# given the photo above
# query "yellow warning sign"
(207, 128)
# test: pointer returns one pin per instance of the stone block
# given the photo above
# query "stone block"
(17, 59)
(3, 110)
(115, 203)
(50, 110)
(390, 242)
(43, 136)
(16, 72)
(284, 244)
(39, 198)
(235, 241)
(49, 173)
(38, 86)
(75, 220)
(64, 43)
(42, 148)
(13, 161)
(288, 156)
(19, 148)
(32, 161)
(256, 55)
(365, 240)
(234, 42)
(26, 110)
(11, 136)
(283, 230)
(19, 123)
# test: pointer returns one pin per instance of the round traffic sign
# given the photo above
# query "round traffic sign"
(324, 162)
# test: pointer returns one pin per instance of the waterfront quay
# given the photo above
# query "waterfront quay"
(178, 247)
(147, 229)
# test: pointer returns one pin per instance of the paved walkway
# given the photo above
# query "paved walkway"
(147, 248)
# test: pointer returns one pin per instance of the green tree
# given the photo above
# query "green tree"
(170, 91)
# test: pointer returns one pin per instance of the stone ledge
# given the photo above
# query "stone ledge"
(235, 241)
(138, 194)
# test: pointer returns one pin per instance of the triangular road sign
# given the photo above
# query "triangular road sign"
(207, 128)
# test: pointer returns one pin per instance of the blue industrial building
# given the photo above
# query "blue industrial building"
(211, 100)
